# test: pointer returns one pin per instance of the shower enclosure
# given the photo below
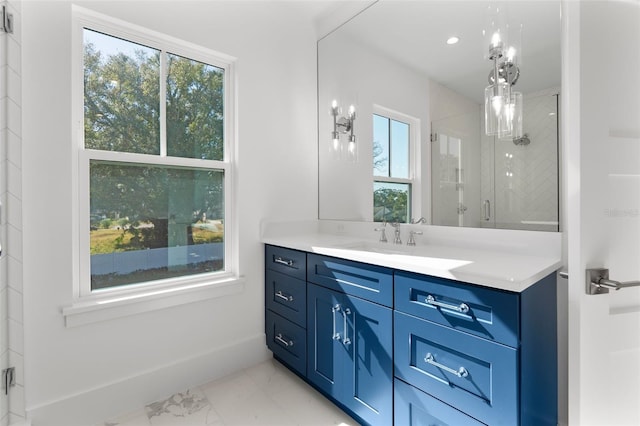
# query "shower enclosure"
(483, 181)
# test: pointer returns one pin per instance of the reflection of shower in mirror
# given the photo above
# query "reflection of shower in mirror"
(522, 141)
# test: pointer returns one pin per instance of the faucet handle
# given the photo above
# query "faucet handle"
(383, 234)
(412, 241)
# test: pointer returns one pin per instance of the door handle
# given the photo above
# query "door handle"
(598, 282)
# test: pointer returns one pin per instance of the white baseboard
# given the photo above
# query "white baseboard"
(120, 397)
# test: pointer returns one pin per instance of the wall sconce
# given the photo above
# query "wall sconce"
(343, 125)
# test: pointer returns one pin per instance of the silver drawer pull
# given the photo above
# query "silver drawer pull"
(282, 296)
(462, 308)
(334, 309)
(346, 313)
(286, 262)
(287, 343)
(460, 372)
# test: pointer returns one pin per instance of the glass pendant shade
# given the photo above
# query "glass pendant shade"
(496, 100)
(335, 146)
(514, 116)
(352, 149)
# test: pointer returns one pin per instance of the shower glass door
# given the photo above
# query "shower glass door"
(455, 150)
(483, 181)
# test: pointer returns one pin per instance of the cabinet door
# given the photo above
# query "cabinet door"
(323, 339)
(368, 360)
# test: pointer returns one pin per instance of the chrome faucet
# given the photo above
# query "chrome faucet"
(397, 239)
(383, 235)
(421, 220)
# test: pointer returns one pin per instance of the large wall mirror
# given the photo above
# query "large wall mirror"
(416, 143)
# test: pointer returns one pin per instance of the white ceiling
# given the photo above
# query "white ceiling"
(414, 33)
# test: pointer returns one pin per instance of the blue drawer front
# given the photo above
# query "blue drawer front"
(429, 356)
(286, 261)
(287, 296)
(288, 341)
(369, 282)
(413, 407)
(489, 313)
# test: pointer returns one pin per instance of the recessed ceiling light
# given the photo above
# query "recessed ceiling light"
(453, 40)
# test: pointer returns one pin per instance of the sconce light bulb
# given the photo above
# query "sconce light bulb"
(334, 104)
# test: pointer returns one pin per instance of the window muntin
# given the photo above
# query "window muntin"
(165, 186)
(391, 169)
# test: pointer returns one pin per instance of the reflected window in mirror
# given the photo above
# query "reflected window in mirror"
(393, 148)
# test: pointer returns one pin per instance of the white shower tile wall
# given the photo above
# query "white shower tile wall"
(11, 344)
(523, 185)
(266, 394)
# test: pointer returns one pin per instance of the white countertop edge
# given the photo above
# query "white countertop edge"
(494, 269)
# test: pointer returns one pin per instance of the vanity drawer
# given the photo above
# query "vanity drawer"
(286, 261)
(484, 312)
(413, 407)
(369, 282)
(288, 341)
(287, 296)
(459, 369)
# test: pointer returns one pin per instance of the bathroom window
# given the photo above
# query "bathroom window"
(155, 160)
(393, 171)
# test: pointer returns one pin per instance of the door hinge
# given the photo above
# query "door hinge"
(434, 137)
(8, 379)
(6, 23)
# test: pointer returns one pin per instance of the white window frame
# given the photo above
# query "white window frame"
(414, 179)
(88, 305)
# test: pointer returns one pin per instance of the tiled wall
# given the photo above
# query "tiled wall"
(522, 182)
(11, 342)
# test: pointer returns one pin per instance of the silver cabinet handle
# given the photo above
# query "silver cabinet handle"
(460, 372)
(346, 313)
(598, 282)
(334, 309)
(462, 308)
(282, 296)
(287, 262)
(281, 339)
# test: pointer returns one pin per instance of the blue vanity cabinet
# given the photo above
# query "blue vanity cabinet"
(488, 354)
(286, 304)
(350, 352)
(400, 348)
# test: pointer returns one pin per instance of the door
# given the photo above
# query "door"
(350, 352)
(324, 335)
(602, 136)
(368, 363)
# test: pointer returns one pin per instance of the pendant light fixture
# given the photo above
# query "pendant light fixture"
(502, 104)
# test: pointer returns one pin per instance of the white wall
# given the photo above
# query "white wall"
(85, 374)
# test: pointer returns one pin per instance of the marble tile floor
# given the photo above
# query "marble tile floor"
(266, 394)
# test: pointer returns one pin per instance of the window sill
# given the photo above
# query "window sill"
(106, 307)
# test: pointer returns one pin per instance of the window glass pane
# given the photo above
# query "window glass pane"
(391, 202)
(399, 149)
(380, 146)
(151, 222)
(195, 109)
(121, 95)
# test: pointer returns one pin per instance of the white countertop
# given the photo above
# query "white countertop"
(492, 266)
